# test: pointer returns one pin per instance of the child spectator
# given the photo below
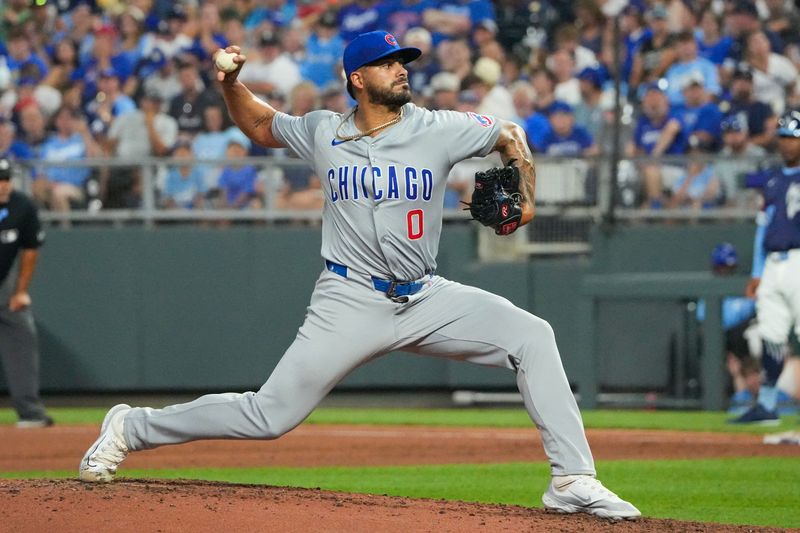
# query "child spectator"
(184, 187)
(238, 183)
(698, 188)
(565, 138)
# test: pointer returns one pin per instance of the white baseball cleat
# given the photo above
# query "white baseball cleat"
(585, 494)
(99, 465)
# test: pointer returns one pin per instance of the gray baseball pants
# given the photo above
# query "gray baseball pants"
(348, 324)
(19, 352)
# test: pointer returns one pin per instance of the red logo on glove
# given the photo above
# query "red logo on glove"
(507, 229)
(504, 211)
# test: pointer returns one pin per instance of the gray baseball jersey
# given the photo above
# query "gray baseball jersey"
(382, 219)
(383, 213)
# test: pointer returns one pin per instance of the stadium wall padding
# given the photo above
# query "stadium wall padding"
(198, 308)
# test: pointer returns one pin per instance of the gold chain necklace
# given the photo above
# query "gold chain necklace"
(345, 138)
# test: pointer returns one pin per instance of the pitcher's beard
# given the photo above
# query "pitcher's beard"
(389, 98)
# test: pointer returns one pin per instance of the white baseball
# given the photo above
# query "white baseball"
(224, 61)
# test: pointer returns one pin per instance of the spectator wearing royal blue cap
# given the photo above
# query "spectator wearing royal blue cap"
(699, 116)
(761, 121)
(238, 184)
(160, 76)
(658, 132)
(689, 65)
(738, 158)
(103, 111)
(565, 138)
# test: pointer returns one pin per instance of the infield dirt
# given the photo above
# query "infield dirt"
(150, 505)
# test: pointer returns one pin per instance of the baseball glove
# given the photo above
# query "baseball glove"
(496, 199)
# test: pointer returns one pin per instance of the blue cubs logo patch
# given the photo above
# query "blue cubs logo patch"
(483, 120)
(390, 39)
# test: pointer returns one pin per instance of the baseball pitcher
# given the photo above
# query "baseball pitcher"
(384, 167)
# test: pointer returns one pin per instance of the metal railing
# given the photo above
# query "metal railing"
(573, 194)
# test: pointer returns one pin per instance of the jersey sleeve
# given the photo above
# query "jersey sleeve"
(297, 133)
(468, 134)
(31, 235)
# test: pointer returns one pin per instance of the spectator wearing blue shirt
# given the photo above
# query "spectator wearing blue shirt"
(10, 147)
(360, 16)
(565, 138)
(184, 187)
(58, 186)
(208, 39)
(658, 132)
(324, 49)
(277, 13)
(20, 55)
(238, 184)
(102, 59)
(698, 187)
(690, 65)
(699, 117)
(634, 31)
(114, 103)
(711, 43)
(399, 16)
(453, 19)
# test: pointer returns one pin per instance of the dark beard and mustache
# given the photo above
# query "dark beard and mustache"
(387, 97)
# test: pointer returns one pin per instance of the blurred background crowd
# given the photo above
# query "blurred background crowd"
(702, 85)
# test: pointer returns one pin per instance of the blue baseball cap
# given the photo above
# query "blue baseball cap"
(592, 75)
(734, 123)
(372, 46)
(559, 107)
(724, 255)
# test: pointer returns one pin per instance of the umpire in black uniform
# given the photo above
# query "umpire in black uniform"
(19, 230)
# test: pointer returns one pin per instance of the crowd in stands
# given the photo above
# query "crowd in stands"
(134, 79)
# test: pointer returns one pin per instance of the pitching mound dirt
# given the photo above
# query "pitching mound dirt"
(149, 505)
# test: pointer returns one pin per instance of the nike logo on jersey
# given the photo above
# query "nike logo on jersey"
(336, 142)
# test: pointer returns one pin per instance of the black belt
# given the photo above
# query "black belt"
(392, 288)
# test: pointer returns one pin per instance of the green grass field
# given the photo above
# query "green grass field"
(755, 490)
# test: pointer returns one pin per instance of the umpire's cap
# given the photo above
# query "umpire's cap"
(789, 124)
(724, 255)
(372, 46)
(5, 169)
